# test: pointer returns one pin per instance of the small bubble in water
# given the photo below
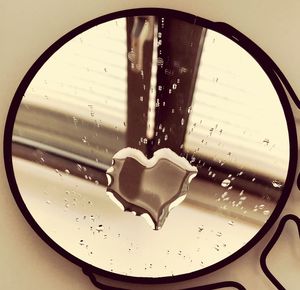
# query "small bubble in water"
(182, 121)
(266, 212)
(225, 183)
(189, 110)
(67, 171)
(84, 139)
(81, 242)
(166, 137)
(174, 86)
(141, 98)
(96, 182)
(48, 201)
(79, 167)
(219, 234)
(231, 223)
(276, 183)
(261, 206)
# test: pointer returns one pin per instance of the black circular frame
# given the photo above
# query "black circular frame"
(277, 78)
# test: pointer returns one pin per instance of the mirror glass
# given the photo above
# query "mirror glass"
(150, 82)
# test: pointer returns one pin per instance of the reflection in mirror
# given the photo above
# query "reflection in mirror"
(149, 83)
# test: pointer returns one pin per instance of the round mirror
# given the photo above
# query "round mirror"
(127, 88)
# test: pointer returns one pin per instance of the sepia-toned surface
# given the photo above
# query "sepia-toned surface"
(292, 207)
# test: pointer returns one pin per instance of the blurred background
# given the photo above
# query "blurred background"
(81, 151)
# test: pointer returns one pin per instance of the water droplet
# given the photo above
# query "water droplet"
(96, 182)
(224, 194)
(189, 111)
(48, 201)
(266, 212)
(243, 198)
(182, 121)
(84, 139)
(219, 234)
(231, 223)
(166, 137)
(261, 206)
(225, 183)
(276, 183)
(266, 141)
(99, 228)
(174, 86)
(131, 56)
(160, 61)
(141, 98)
(81, 242)
(67, 171)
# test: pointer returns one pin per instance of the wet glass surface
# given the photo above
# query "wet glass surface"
(151, 83)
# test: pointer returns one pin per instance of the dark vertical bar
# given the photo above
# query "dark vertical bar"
(179, 50)
(138, 87)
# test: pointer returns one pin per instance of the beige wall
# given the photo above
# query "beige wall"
(28, 27)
